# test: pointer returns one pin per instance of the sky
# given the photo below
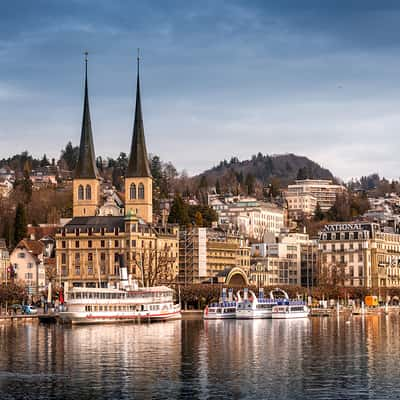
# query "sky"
(218, 79)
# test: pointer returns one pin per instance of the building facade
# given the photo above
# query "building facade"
(284, 262)
(254, 219)
(209, 254)
(4, 260)
(360, 255)
(27, 261)
(324, 191)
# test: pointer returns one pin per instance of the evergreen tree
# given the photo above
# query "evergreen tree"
(318, 214)
(250, 184)
(44, 162)
(218, 187)
(70, 156)
(179, 212)
(203, 185)
(20, 225)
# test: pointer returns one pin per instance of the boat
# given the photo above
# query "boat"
(290, 309)
(103, 305)
(251, 307)
(225, 308)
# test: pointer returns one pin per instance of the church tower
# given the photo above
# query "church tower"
(138, 179)
(86, 183)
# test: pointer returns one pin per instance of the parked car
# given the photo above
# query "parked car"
(15, 308)
(29, 310)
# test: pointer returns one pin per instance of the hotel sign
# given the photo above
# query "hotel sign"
(344, 227)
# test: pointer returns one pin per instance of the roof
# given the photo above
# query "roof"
(109, 222)
(138, 164)
(33, 246)
(86, 167)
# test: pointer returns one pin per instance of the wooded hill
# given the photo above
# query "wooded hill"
(264, 168)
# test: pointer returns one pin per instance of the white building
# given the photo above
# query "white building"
(254, 219)
(27, 262)
(324, 191)
(301, 204)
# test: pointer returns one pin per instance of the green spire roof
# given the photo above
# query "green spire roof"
(86, 167)
(138, 164)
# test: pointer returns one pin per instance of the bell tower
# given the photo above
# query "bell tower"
(138, 179)
(86, 183)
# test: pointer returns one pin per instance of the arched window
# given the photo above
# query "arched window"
(132, 190)
(88, 192)
(141, 191)
(80, 192)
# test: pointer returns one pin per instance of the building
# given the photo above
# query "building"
(210, 254)
(301, 205)
(284, 262)
(103, 236)
(359, 255)
(324, 191)
(4, 260)
(252, 218)
(27, 261)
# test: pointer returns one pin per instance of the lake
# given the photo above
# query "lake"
(317, 358)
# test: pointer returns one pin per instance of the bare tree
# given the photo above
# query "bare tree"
(156, 266)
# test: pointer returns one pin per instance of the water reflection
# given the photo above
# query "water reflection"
(320, 358)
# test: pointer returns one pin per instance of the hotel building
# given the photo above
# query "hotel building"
(359, 254)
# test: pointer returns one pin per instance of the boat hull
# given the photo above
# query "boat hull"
(290, 315)
(219, 316)
(101, 318)
(251, 314)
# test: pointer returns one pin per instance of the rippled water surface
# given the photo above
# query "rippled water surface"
(305, 359)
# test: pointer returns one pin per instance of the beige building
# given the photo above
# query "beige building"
(300, 205)
(284, 262)
(101, 238)
(324, 191)
(4, 260)
(359, 254)
(27, 261)
(208, 255)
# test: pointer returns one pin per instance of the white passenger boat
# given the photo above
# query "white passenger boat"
(290, 309)
(224, 309)
(101, 305)
(251, 307)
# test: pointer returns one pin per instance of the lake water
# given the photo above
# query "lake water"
(318, 358)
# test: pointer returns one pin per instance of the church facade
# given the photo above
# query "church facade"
(92, 247)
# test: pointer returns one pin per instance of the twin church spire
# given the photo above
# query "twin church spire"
(138, 180)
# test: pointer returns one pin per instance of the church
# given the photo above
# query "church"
(91, 248)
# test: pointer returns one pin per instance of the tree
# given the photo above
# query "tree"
(20, 225)
(198, 219)
(70, 156)
(218, 187)
(156, 266)
(318, 214)
(179, 212)
(44, 162)
(250, 183)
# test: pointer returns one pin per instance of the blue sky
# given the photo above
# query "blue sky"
(219, 79)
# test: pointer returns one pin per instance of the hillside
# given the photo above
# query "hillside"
(263, 168)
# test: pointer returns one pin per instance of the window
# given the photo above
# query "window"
(77, 258)
(77, 244)
(90, 257)
(63, 244)
(102, 243)
(80, 192)
(141, 191)
(116, 243)
(30, 265)
(88, 192)
(77, 270)
(21, 255)
(63, 258)
(132, 191)
(89, 243)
